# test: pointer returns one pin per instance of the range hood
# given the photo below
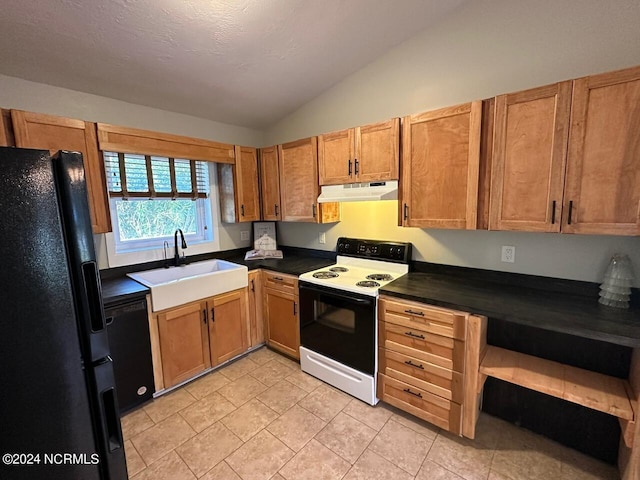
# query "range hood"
(359, 192)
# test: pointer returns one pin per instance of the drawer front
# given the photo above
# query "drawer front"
(432, 408)
(441, 321)
(427, 376)
(281, 282)
(442, 351)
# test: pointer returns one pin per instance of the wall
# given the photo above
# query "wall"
(37, 97)
(483, 49)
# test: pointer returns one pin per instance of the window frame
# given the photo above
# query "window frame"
(154, 253)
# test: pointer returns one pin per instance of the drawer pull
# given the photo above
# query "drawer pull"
(411, 364)
(408, 390)
(278, 279)
(411, 334)
(411, 312)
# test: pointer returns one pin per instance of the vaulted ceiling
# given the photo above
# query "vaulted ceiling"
(242, 62)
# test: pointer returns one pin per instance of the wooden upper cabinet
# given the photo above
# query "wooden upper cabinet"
(362, 154)
(377, 151)
(299, 180)
(48, 132)
(529, 155)
(238, 187)
(602, 192)
(299, 188)
(440, 164)
(336, 157)
(270, 183)
(6, 131)
(228, 326)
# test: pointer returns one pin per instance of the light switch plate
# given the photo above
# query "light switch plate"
(322, 238)
(244, 235)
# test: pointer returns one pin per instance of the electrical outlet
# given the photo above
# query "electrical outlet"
(508, 253)
(322, 238)
(244, 235)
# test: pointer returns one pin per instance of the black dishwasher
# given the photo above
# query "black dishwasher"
(128, 329)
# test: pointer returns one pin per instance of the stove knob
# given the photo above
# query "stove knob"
(346, 247)
(341, 247)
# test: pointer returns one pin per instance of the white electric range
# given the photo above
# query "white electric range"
(339, 314)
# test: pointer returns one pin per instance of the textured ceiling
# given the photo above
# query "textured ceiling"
(243, 62)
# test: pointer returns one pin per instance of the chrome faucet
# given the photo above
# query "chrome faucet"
(176, 259)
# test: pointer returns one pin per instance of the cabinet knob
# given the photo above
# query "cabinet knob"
(213, 315)
(349, 167)
(357, 167)
(204, 316)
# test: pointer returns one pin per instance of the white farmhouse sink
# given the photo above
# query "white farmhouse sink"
(188, 283)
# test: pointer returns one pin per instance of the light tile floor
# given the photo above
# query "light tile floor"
(262, 418)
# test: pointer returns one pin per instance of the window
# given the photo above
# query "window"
(151, 197)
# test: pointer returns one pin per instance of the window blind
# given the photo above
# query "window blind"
(133, 175)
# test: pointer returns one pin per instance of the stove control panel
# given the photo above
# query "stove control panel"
(399, 252)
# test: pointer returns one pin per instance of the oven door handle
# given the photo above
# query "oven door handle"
(338, 295)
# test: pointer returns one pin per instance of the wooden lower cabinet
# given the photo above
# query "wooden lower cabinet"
(428, 362)
(198, 335)
(228, 326)
(281, 313)
(256, 321)
(184, 342)
(432, 408)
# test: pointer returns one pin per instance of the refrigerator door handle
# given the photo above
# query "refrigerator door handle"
(91, 286)
(112, 419)
(109, 430)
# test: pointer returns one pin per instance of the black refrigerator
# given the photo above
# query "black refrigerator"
(58, 408)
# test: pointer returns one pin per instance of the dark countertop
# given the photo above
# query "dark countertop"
(117, 287)
(568, 313)
(121, 289)
(291, 263)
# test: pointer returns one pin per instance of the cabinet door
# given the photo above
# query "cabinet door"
(228, 333)
(35, 130)
(441, 156)
(529, 153)
(336, 155)
(377, 151)
(256, 322)
(6, 132)
(602, 192)
(283, 329)
(184, 342)
(270, 183)
(248, 198)
(299, 180)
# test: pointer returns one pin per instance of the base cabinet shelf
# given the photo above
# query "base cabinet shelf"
(594, 390)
